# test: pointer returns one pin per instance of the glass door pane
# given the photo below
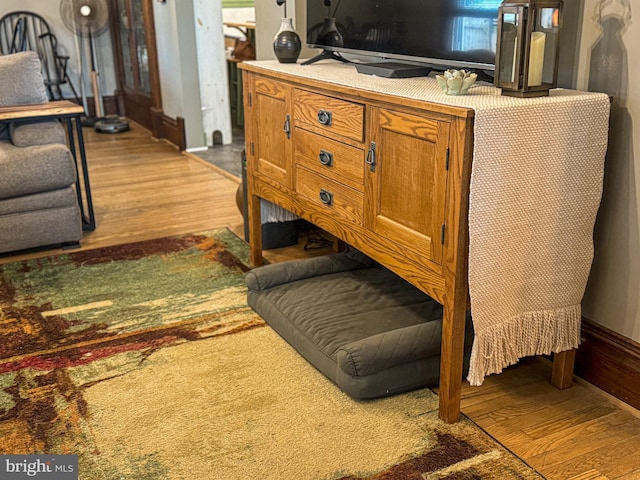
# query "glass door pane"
(125, 28)
(141, 47)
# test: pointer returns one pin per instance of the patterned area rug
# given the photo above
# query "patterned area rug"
(145, 361)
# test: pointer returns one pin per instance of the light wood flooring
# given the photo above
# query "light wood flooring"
(143, 188)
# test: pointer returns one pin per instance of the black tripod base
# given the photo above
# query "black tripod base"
(326, 54)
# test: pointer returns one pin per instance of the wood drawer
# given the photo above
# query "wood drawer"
(324, 114)
(336, 199)
(330, 158)
(270, 88)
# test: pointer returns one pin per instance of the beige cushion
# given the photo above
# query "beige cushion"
(37, 169)
(32, 133)
(21, 81)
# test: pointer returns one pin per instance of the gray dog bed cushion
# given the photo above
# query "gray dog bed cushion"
(366, 329)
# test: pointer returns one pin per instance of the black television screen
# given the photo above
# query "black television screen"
(447, 33)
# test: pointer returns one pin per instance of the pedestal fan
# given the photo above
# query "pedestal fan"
(89, 19)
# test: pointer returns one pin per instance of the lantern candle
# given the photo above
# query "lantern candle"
(536, 58)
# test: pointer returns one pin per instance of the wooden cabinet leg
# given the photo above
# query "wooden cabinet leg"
(562, 372)
(452, 352)
(339, 245)
(255, 230)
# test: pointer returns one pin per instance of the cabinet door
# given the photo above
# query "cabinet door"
(273, 130)
(406, 186)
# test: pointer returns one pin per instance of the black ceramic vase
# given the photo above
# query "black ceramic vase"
(286, 43)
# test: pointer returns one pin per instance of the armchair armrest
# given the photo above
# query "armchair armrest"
(33, 125)
(57, 109)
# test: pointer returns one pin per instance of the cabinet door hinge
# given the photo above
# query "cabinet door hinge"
(251, 149)
(442, 234)
(446, 164)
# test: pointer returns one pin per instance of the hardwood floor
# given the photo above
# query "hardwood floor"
(579, 433)
(143, 188)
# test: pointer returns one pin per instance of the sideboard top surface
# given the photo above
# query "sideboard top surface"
(343, 78)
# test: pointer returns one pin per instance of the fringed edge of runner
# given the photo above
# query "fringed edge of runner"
(530, 333)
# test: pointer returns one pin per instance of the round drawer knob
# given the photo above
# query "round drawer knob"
(326, 158)
(324, 117)
(326, 197)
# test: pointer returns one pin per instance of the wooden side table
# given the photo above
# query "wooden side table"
(67, 111)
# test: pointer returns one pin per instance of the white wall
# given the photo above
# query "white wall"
(608, 59)
(212, 71)
(69, 44)
(192, 64)
(268, 16)
(178, 65)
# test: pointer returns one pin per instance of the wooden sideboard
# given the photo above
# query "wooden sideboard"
(388, 175)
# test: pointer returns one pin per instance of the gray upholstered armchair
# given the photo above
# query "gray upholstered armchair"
(38, 201)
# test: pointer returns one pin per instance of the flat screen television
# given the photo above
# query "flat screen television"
(436, 33)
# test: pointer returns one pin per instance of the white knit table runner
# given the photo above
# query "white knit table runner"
(536, 184)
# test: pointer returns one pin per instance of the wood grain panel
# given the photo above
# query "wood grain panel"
(577, 433)
(347, 118)
(272, 144)
(270, 88)
(171, 129)
(610, 361)
(345, 202)
(347, 162)
(406, 197)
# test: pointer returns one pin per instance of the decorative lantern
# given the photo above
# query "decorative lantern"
(528, 41)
